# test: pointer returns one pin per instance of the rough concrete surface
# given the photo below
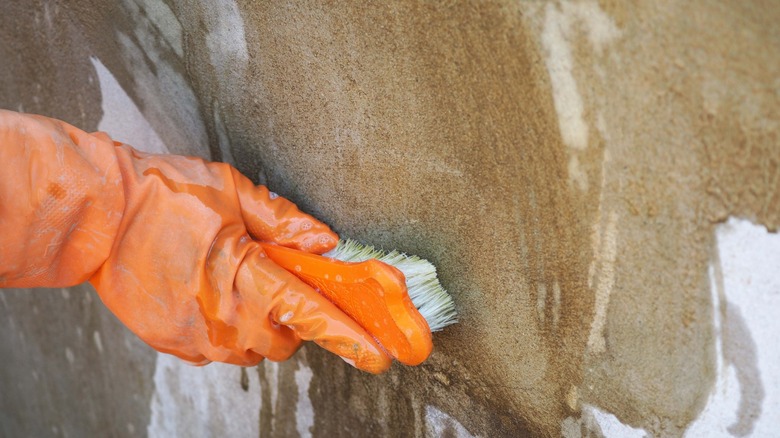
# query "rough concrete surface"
(564, 164)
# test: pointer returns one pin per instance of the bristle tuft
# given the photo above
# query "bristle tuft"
(427, 294)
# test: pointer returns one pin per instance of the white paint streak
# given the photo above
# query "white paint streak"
(611, 427)
(746, 396)
(600, 28)
(155, 77)
(437, 423)
(571, 428)
(577, 174)
(558, 32)
(98, 341)
(542, 296)
(225, 39)
(598, 423)
(228, 53)
(165, 23)
(541, 300)
(304, 410)
(203, 401)
(122, 120)
(596, 234)
(272, 377)
(566, 98)
(606, 258)
(556, 303)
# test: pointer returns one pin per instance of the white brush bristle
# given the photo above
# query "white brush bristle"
(427, 294)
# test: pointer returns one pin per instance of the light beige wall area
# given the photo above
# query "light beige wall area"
(565, 165)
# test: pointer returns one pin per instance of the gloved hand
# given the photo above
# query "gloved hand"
(170, 244)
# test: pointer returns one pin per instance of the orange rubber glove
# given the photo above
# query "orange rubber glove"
(166, 242)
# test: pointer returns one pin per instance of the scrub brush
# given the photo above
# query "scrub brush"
(380, 290)
(427, 294)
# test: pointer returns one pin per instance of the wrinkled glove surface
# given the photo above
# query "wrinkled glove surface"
(170, 244)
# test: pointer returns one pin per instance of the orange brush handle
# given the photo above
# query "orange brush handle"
(371, 292)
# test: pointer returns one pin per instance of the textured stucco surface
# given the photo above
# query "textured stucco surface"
(565, 165)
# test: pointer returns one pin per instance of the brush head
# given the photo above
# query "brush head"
(422, 284)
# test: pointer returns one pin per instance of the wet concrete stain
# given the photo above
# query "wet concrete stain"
(57, 380)
(70, 368)
(464, 111)
(520, 214)
(59, 81)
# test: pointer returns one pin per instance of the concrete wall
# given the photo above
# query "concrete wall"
(596, 181)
